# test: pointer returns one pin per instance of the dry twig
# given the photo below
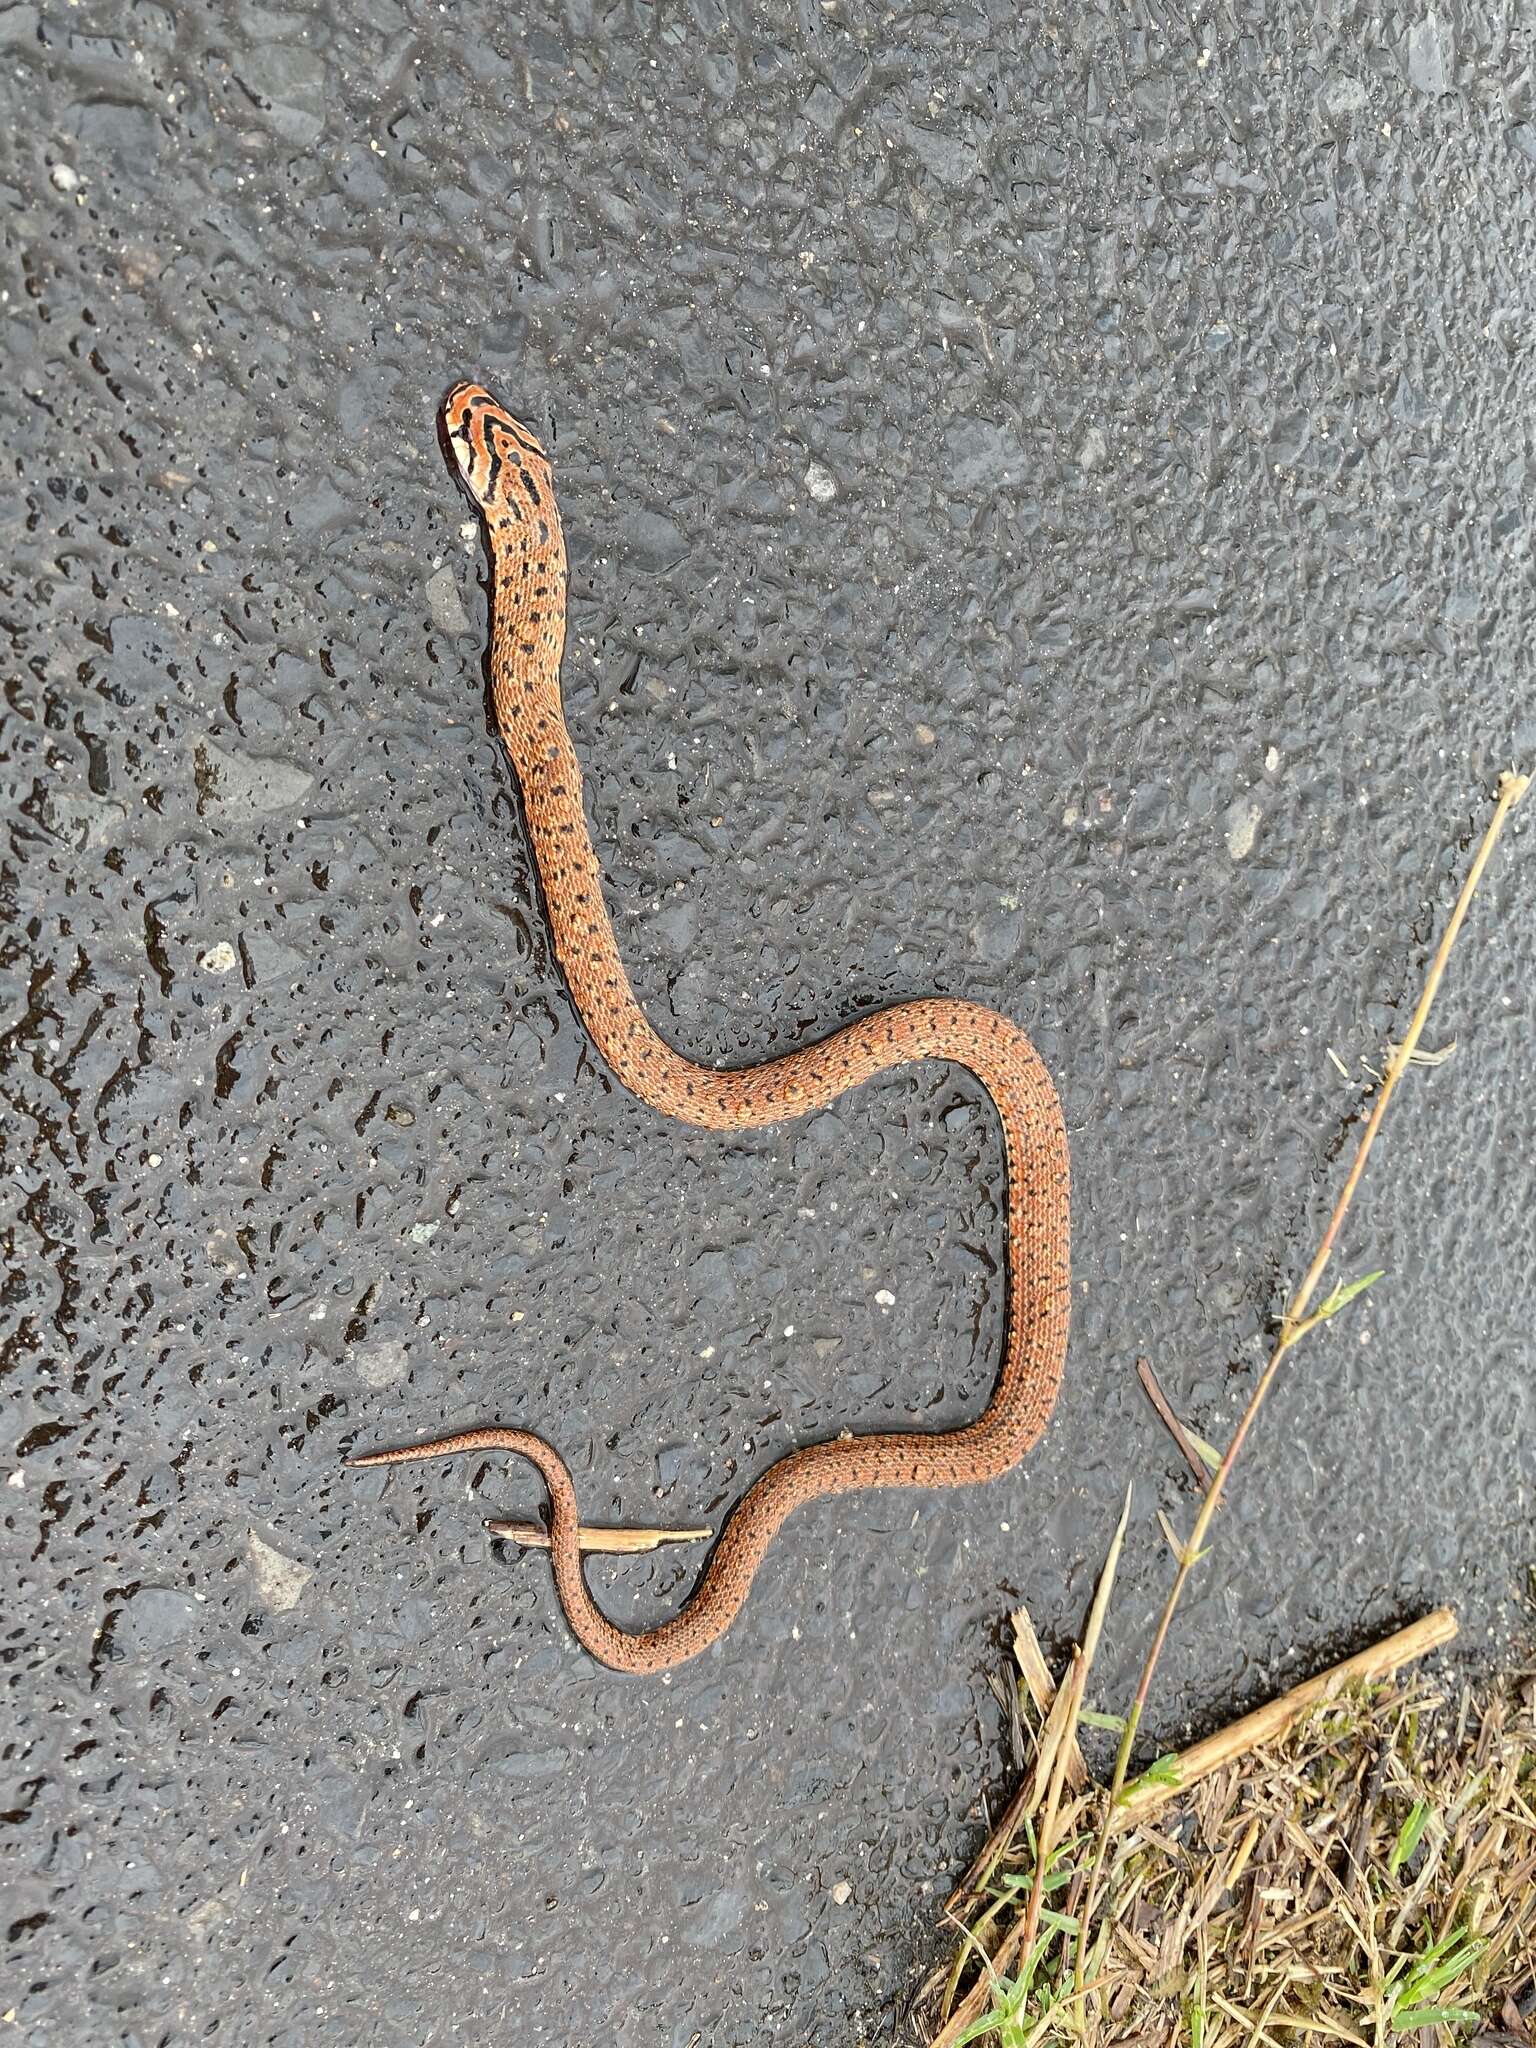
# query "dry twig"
(620, 1542)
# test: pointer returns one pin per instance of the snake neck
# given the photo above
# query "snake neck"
(528, 604)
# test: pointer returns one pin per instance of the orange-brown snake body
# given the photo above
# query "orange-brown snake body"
(509, 477)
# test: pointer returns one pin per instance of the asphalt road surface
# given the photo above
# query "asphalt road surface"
(1049, 501)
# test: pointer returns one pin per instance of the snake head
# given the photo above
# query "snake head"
(502, 465)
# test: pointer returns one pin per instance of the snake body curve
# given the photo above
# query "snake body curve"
(508, 475)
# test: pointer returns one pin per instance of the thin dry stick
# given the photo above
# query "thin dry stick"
(1294, 1325)
(1045, 1838)
(1268, 1723)
(620, 1542)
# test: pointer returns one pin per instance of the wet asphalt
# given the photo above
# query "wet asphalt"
(1049, 503)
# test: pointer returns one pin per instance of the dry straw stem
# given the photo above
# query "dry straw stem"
(1042, 1690)
(1295, 1324)
(620, 1542)
(1069, 1706)
(1036, 1673)
(1268, 1723)
(1058, 1763)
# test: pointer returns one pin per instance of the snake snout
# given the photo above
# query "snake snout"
(483, 439)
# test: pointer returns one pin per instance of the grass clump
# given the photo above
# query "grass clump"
(1368, 1877)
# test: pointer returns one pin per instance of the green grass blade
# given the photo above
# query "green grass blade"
(1091, 1717)
(1345, 1293)
(1164, 1772)
(1432, 2016)
(1409, 1835)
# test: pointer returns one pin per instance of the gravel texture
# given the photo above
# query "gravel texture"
(1049, 502)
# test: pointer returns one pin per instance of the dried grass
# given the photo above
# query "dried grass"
(1369, 1876)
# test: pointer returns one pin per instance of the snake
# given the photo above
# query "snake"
(507, 474)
